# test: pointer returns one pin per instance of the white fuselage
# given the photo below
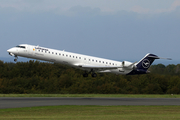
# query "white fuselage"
(88, 63)
(80, 61)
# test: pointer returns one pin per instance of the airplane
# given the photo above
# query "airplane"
(87, 63)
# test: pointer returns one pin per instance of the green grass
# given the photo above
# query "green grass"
(93, 112)
(94, 95)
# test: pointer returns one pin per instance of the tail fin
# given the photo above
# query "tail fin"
(146, 62)
(143, 65)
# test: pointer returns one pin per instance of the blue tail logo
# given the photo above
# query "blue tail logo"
(146, 63)
(143, 65)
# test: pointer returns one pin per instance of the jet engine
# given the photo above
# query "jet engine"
(129, 65)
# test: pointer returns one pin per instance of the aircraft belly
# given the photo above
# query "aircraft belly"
(120, 71)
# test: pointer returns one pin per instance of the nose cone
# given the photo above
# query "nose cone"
(11, 50)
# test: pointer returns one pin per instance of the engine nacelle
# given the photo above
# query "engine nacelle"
(129, 65)
(134, 67)
(126, 63)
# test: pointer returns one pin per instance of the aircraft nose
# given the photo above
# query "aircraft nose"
(11, 50)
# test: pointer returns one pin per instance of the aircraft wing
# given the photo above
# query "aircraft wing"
(97, 68)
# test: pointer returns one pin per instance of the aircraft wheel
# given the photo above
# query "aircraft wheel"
(85, 75)
(94, 75)
(15, 60)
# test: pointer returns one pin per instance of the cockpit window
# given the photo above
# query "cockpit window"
(21, 46)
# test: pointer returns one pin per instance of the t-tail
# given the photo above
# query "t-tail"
(143, 65)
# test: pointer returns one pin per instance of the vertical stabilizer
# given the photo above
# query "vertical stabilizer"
(143, 65)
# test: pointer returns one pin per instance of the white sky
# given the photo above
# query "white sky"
(114, 29)
(139, 6)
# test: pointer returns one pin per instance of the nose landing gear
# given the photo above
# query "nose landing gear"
(15, 60)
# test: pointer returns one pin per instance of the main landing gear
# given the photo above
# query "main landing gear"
(85, 74)
(93, 74)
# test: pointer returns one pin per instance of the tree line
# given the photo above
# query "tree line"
(44, 78)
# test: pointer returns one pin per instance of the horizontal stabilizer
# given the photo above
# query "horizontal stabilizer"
(156, 57)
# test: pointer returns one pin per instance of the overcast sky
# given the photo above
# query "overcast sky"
(113, 29)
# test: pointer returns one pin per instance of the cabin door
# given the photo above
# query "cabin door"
(31, 50)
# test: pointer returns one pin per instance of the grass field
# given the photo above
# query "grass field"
(93, 112)
(94, 95)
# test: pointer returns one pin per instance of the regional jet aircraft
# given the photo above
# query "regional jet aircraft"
(88, 63)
